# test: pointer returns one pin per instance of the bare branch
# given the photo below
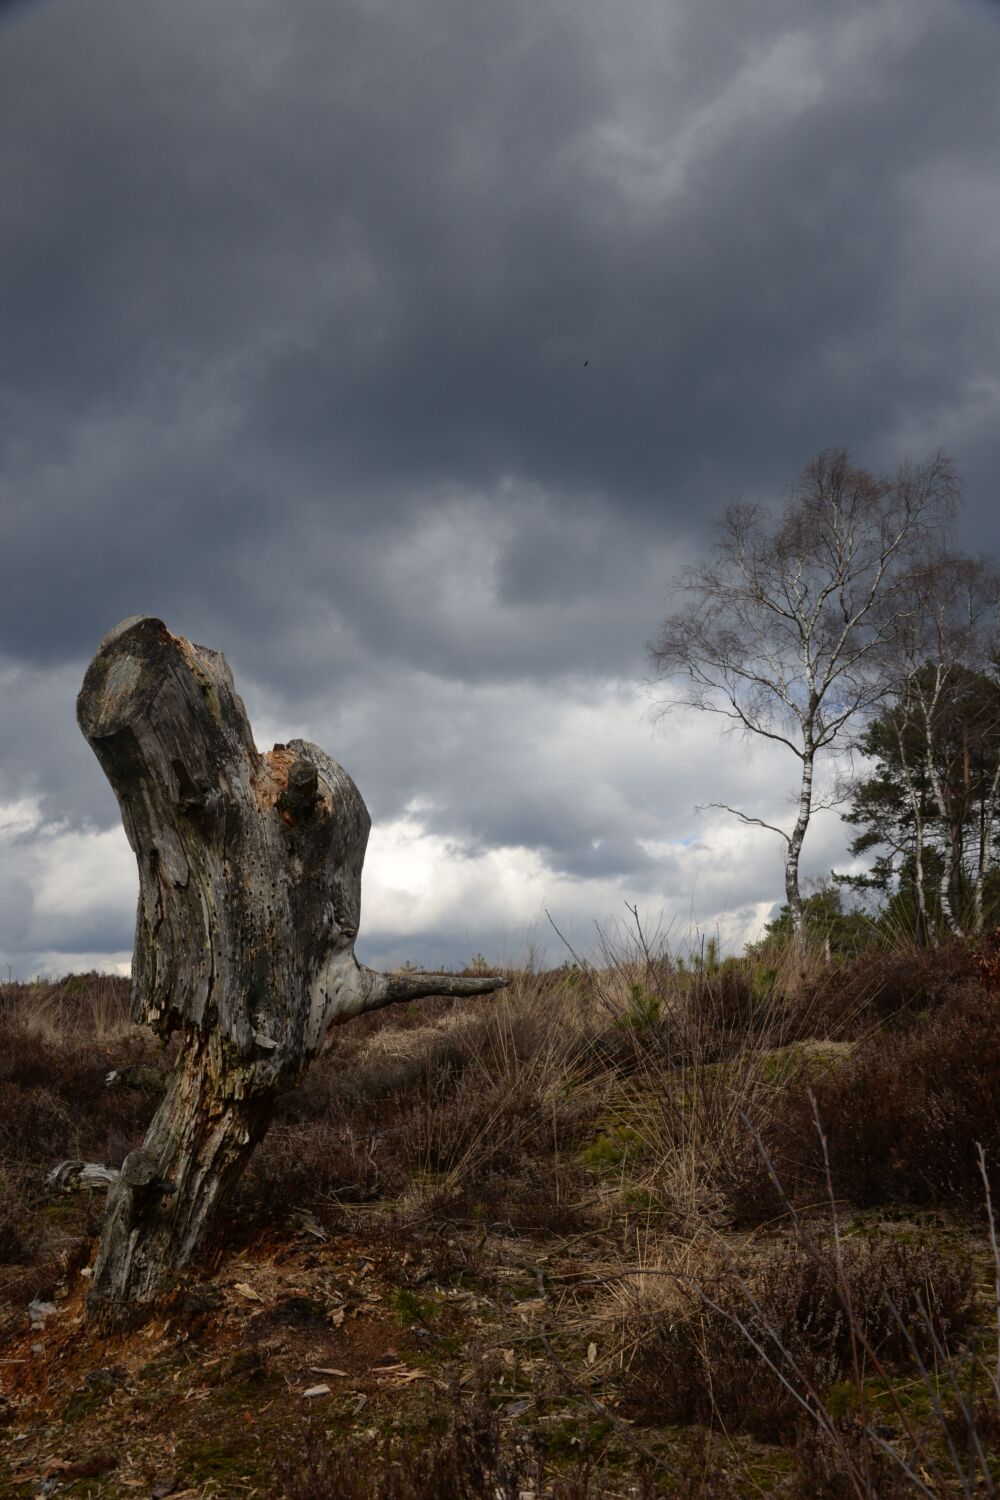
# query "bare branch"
(745, 818)
(378, 990)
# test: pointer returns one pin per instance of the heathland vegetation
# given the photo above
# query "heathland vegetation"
(647, 1226)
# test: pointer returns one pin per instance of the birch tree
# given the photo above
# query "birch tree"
(935, 868)
(781, 631)
(943, 709)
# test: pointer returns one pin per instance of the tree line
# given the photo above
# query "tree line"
(848, 623)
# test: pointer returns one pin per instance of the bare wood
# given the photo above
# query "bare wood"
(249, 906)
(71, 1175)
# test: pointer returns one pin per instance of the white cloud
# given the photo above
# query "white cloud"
(18, 817)
(81, 874)
(67, 896)
(594, 760)
(518, 801)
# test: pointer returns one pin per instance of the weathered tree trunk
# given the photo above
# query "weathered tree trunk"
(249, 904)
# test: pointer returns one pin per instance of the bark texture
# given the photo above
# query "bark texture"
(793, 894)
(249, 904)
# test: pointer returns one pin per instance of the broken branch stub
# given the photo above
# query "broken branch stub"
(249, 904)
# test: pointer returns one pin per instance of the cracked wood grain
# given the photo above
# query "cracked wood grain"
(249, 906)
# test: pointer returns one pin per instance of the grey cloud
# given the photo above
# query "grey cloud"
(108, 931)
(16, 903)
(402, 352)
(577, 775)
(43, 756)
(395, 243)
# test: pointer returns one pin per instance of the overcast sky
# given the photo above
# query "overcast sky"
(404, 351)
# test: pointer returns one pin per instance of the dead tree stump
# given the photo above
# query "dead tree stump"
(249, 904)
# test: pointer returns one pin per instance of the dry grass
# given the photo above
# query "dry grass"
(85, 1007)
(573, 1176)
(480, 1109)
(808, 1311)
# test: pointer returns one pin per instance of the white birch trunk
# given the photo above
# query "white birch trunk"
(940, 797)
(985, 849)
(792, 893)
(923, 921)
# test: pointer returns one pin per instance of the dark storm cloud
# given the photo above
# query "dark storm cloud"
(404, 351)
(315, 261)
(714, 314)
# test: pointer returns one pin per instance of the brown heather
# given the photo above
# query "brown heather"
(577, 1240)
